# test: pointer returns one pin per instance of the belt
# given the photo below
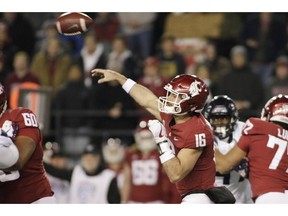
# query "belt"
(192, 192)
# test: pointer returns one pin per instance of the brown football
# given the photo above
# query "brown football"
(73, 23)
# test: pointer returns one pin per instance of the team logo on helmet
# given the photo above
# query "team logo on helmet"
(194, 88)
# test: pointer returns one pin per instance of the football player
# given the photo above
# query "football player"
(144, 176)
(264, 142)
(24, 181)
(222, 114)
(183, 137)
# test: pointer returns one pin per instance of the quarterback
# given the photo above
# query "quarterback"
(183, 136)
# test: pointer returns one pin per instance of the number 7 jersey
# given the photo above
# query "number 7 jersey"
(266, 147)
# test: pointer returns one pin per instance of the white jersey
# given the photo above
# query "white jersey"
(60, 188)
(239, 186)
(90, 189)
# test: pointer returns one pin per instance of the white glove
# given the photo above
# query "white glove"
(9, 153)
(13, 175)
(164, 145)
(9, 129)
(158, 130)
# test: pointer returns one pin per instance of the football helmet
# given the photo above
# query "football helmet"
(185, 93)
(276, 109)
(223, 109)
(144, 138)
(113, 151)
(3, 100)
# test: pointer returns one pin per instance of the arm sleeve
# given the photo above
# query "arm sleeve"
(59, 173)
(113, 192)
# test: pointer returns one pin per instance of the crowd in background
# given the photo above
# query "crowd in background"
(242, 55)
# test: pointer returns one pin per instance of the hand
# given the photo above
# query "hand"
(158, 130)
(242, 168)
(13, 175)
(108, 75)
(9, 129)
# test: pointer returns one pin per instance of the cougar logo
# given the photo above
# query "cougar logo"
(194, 88)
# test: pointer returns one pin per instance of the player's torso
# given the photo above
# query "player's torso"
(239, 186)
(268, 157)
(146, 176)
(194, 133)
(32, 180)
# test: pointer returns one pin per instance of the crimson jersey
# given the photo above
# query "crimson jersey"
(146, 176)
(32, 183)
(266, 146)
(194, 133)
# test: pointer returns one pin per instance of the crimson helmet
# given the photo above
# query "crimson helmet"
(276, 109)
(3, 100)
(221, 106)
(189, 95)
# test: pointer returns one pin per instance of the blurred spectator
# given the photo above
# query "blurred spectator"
(21, 73)
(265, 38)
(51, 65)
(90, 181)
(152, 80)
(279, 83)
(7, 51)
(144, 176)
(203, 72)
(218, 65)
(52, 155)
(113, 154)
(69, 44)
(171, 62)
(72, 125)
(106, 26)
(91, 56)
(118, 108)
(21, 31)
(241, 84)
(121, 59)
(138, 29)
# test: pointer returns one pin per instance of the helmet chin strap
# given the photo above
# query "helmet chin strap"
(4, 109)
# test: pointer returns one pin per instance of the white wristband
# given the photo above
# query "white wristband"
(128, 85)
(166, 156)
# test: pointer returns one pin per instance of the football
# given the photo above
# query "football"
(73, 23)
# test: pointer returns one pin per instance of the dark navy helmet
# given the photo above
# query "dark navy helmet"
(222, 114)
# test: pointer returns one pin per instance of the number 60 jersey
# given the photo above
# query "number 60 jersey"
(32, 183)
(266, 146)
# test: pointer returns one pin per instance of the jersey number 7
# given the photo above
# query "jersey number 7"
(282, 147)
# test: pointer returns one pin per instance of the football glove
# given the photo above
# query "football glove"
(164, 145)
(13, 175)
(242, 168)
(9, 129)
